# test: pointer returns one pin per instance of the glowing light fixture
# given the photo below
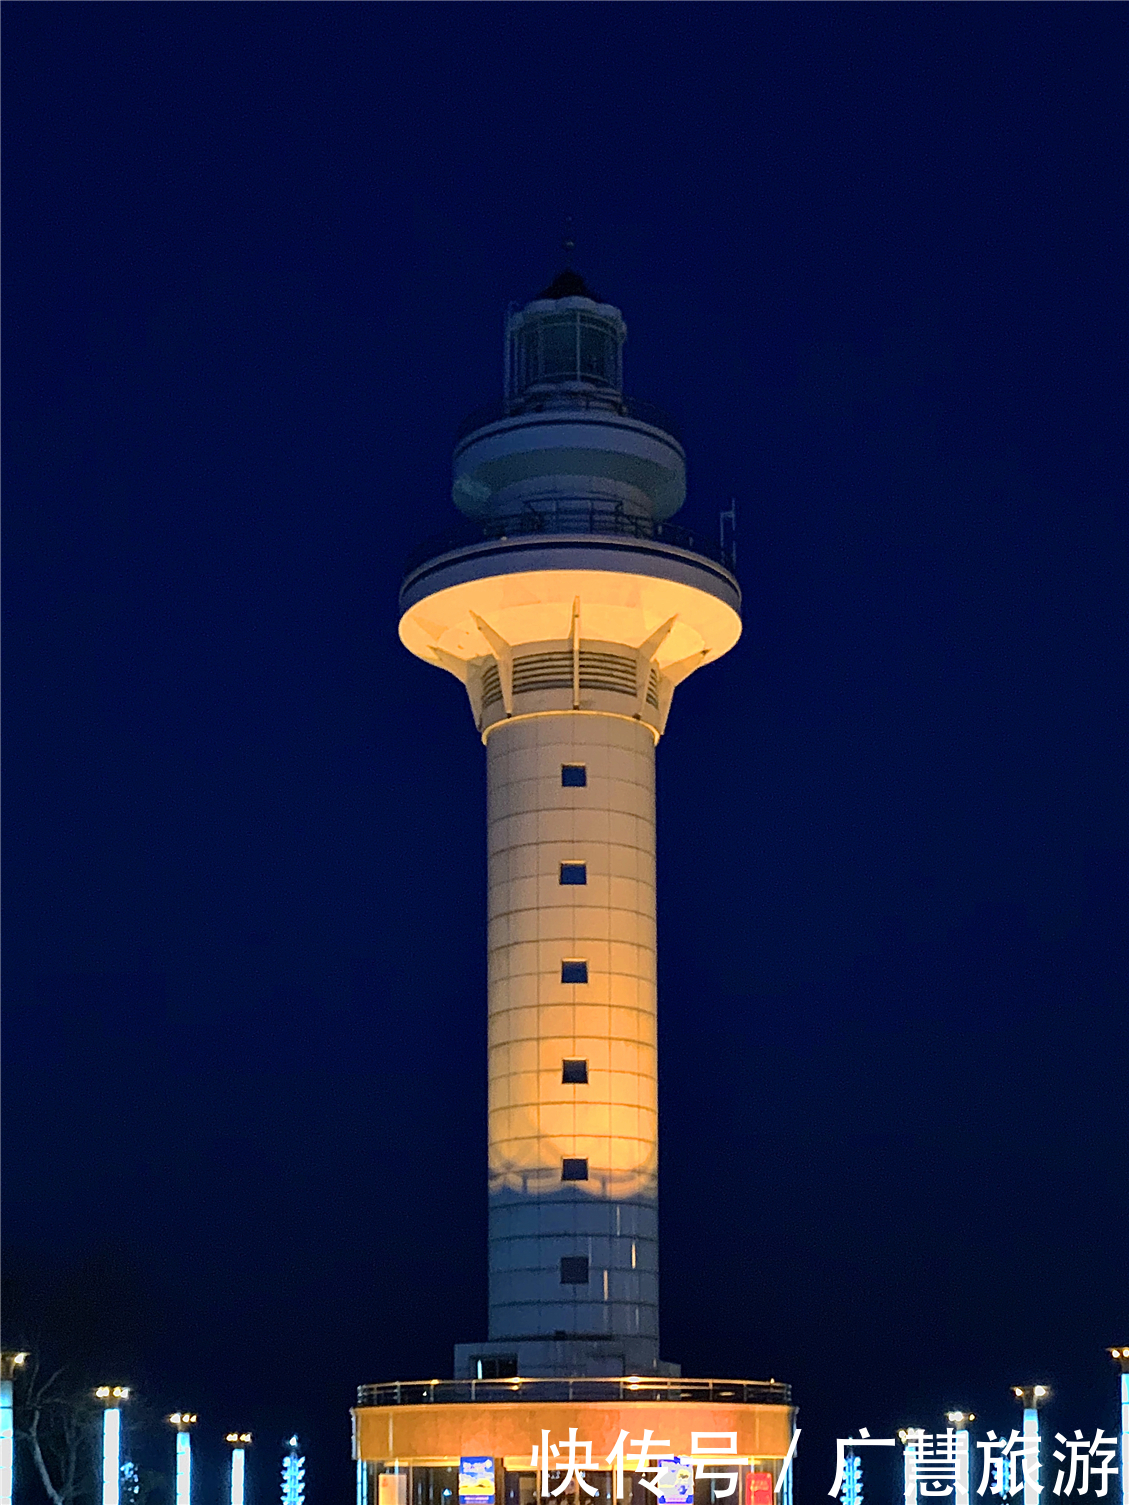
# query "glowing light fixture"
(9, 1363)
(1032, 1397)
(112, 1397)
(908, 1436)
(238, 1442)
(182, 1420)
(293, 1475)
(783, 1486)
(851, 1492)
(959, 1420)
(1120, 1357)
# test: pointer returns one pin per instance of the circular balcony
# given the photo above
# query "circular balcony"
(572, 447)
(528, 576)
(594, 522)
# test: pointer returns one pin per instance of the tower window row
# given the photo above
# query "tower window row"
(574, 1269)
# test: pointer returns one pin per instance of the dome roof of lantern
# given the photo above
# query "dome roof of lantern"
(569, 284)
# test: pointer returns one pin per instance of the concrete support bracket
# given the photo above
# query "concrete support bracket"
(671, 677)
(645, 655)
(505, 657)
(469, 672)
(574, 637)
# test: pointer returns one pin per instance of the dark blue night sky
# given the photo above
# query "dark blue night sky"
(257, 262)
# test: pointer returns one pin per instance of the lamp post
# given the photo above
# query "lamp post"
(182, 1421)
(9, 1363)
(1120, 1357)
(238, 1442)
(293, 1475)
(1032, 1397)
(851, 1492)
(112, 1398)
(908, 1436)
(960, 1420)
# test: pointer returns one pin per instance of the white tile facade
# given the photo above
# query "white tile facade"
(536, 1022)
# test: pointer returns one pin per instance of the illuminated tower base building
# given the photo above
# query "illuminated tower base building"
(570, 608)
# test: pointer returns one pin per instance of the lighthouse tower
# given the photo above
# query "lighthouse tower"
(570, 608)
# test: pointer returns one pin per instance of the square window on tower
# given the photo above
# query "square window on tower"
(574, 872)
(574, 776)
(574, 971)
(574, 1071)
(574, 1168)
(574, 1270)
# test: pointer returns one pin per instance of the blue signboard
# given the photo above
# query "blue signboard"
(675, 1481)
(476, 1481)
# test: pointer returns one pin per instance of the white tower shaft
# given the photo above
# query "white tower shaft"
(573, 1112)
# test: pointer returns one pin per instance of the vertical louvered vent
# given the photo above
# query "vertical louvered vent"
(491, 685)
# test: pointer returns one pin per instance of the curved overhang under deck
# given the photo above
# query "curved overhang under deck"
(526, 590)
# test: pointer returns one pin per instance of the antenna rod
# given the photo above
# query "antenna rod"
(729, 517)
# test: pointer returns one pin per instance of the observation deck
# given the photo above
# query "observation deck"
(564, 531)
(589, 522)
(628, 604)
(634, 1388)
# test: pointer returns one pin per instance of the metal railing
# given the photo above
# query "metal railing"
(616, 1388)
(564, 402)
(593, 521)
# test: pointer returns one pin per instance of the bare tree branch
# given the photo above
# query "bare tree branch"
(56, 1423)
(37, 1453)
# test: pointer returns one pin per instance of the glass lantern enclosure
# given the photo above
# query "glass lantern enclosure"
(570, 346)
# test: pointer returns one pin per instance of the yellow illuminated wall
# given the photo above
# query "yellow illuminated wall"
(537, 1021)
(403, 1435)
